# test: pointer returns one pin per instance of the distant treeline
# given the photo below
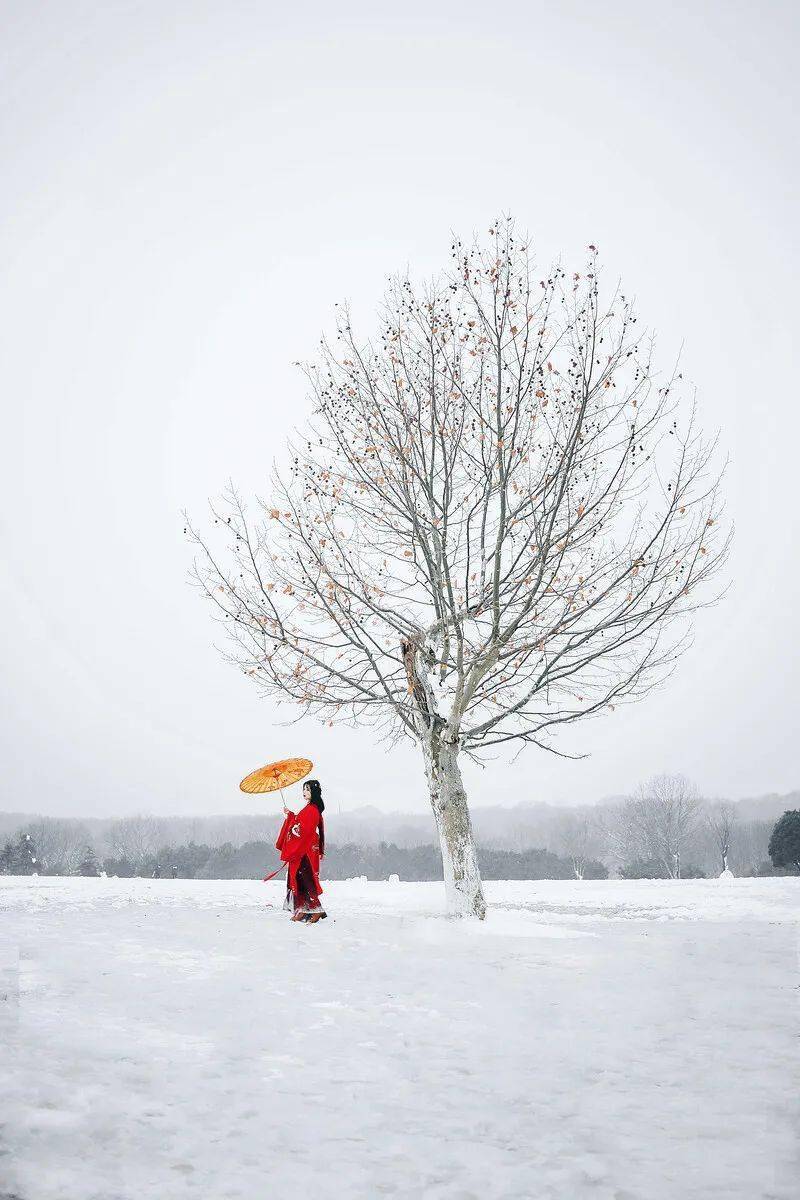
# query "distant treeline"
(253, 860)
(655, 834)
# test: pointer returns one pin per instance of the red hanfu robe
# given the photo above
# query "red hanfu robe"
(300, 842)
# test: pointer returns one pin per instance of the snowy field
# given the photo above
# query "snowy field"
(612, 1040)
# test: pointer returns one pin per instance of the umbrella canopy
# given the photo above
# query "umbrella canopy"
(276, 775)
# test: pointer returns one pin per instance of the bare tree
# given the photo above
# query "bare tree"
(720, 821)
(657, 822)
(60, 843)
(578, 836)
(495, 526)
(621, 835)
(133, 838)
(750, 846)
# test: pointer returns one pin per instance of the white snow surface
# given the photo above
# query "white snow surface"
(613, 1040)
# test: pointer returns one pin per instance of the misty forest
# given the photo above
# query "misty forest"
(664, 831)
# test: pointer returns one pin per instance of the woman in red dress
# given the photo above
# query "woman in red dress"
(301, 843)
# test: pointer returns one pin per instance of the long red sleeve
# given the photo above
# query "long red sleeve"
(284, 830)
(298, 834)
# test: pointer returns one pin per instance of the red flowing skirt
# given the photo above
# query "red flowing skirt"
(303, 886)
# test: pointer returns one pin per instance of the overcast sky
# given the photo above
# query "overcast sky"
(187, 188)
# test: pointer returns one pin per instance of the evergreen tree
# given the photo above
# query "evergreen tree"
(27, 861)
(89, 865)
(7, 859)
(28, 858)
(20, 857)
(784, 843)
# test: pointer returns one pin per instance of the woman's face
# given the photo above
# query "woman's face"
(306, 793)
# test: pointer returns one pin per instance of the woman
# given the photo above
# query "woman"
(301, 843)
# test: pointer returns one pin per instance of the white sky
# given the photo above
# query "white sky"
(187, 188)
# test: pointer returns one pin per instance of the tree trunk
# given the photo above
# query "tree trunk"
(462, 879)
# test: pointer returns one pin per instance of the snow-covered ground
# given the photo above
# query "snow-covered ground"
(612, 1040)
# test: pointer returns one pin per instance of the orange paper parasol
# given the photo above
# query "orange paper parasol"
(276, 776)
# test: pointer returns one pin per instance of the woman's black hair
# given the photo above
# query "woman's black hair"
(316, 793)
(319, 803)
